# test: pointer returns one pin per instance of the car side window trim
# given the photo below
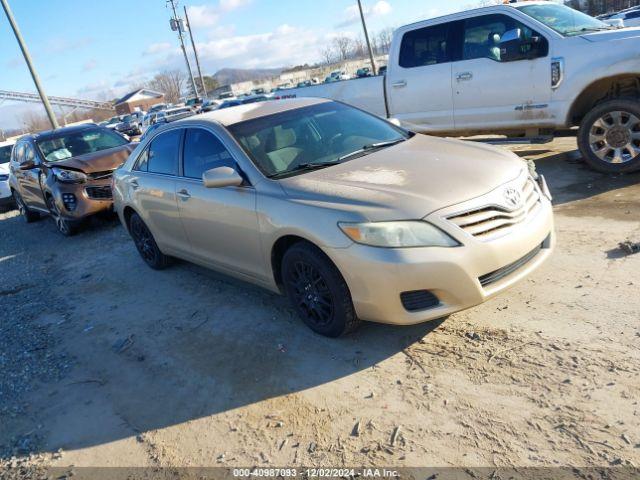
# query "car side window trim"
(135, 167)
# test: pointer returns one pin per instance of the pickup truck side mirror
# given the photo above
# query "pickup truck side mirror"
(27, 164)
(514, 47)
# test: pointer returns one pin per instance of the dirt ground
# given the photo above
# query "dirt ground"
(104, 362)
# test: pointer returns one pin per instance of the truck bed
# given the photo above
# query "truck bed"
(365, 93)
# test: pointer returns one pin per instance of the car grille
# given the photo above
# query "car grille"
(497, 275)
(100, 175)
(488, 222)
(99, 193)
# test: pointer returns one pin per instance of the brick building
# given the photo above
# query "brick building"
(141, 99)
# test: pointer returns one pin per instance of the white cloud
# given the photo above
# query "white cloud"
(156, 48)
(227, 5)
(351, 14)
(203, 16)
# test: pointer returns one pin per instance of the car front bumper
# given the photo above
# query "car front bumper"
(90, 198)
(377, 277)
(6, 198)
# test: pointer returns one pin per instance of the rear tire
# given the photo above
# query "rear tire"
(317, 291)
(146, 244)
(609, 136)
(28, 215)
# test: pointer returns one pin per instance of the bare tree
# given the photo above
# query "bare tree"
(35, 122)
(383, 40)
(343, 45)
(170, 82)
(328, 55)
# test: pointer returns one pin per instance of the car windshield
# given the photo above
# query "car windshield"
(564, 20)
(128, 118)
(5, 154)
(299, 140)
(79, 143)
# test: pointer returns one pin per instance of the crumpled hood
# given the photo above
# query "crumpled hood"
(101, 161)
(629, 33)
(409, 180)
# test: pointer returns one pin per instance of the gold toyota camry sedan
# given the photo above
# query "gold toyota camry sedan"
(350, 216)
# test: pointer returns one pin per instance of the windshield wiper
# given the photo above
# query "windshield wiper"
(306, 167)
(369, 148)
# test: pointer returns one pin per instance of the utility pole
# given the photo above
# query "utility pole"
(195, 53)
(178, 25)
(27, 58)
(366, 39)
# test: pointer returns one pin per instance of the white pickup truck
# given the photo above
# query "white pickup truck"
(528, 68)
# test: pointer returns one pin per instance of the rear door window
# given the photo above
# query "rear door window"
(164, 153)
(203, 151)
(426, 46)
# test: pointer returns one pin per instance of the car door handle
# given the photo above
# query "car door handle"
(400, 84)
(464, 76)
(184, 193)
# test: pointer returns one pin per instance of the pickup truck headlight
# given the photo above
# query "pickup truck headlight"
(69, 176)
(398, 234)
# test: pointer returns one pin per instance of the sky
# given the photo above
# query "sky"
(101, 49)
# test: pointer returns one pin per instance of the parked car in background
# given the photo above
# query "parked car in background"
(336, 76)
(307, 83)
(348, 215)
(528, 68)
(382, 70)
(5, 156)
(131, 124)
(173, 114)
(363, 72)
(159, 107)
(243, 101)
(113, 122)
(66, 173)
(195, 103)
(210, 105)
(630, 17)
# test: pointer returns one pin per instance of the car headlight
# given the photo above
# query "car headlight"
(69, 176)
(398, 234)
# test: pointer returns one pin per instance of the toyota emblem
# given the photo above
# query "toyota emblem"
(512, 197)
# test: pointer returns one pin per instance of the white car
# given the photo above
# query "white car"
(6, 198)
(629, 17)
(528, 68)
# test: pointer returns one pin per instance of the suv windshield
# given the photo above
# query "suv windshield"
(79, 143)
(303, 139)
(564, 20)
(5, 154)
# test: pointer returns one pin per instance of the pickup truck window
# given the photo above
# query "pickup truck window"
(5, 154)
(564, 20)
(425, 46)
(482, 35)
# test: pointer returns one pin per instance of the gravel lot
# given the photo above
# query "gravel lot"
(104, 362)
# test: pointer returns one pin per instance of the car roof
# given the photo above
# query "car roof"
(249, 111)
(60, 131)
(7, 143)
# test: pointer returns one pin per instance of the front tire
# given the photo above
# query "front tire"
(146, 244)
(609, 136)
(66, 227)
(317, 291)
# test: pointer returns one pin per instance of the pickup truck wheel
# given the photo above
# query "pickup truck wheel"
(28, 215)
(66, 227)
(317, 291)
(609, 137)
(146, 244)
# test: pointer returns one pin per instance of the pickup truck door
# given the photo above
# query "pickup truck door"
(418, 87)
(489, 93)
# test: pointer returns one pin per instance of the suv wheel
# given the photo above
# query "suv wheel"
(317, 291)
(609, 136)
(28, 215)
(146, 244)
(66, 227)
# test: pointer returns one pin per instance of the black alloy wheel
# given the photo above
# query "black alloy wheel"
(146, 244)
(317, 291)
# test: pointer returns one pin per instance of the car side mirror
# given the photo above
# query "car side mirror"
(221, 177)
(514, 47)
(27, 165)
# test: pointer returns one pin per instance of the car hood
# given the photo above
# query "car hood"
(4, 168)
(628, 33)
(409, 180)
(101, 161)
